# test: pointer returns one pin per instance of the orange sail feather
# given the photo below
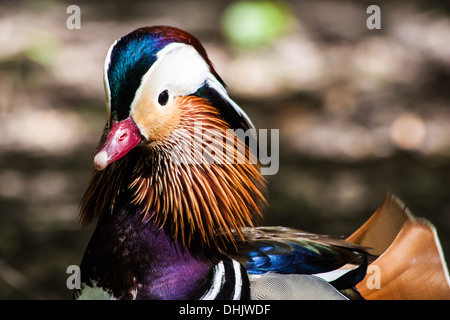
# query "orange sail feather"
(410, 263)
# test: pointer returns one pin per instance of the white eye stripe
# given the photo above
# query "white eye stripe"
(216, 85)
(179, 68)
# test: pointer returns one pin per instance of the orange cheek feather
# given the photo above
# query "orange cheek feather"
(156, 123)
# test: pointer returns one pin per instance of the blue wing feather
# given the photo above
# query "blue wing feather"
(288, 251)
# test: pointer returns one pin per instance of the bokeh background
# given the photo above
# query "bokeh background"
(360, 112)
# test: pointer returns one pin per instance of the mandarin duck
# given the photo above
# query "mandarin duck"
(174, 224)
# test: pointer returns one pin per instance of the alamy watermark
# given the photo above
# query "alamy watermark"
(74, 20)
(74, 280)
(374, 20)
(201, 145)
(373, 277)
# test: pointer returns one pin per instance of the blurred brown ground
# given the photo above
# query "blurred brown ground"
(360, 112)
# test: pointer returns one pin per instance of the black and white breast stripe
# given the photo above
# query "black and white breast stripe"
(228, 281)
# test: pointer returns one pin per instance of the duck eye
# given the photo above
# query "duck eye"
(163, 97)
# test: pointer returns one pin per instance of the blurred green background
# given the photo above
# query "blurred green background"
(360, 112)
